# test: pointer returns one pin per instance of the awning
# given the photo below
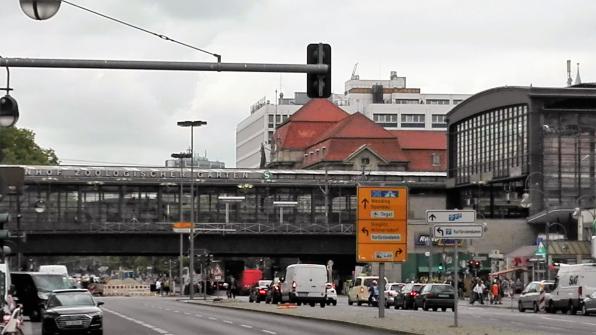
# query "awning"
(502, 272)
(561, 215)
(560, 248)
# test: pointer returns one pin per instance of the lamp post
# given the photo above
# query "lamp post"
(281, 205)
(578, 214)
(181, 156)
(191, 268)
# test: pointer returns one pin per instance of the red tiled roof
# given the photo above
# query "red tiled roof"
(318, 110)
(356, 126)
(421, 160)
(421, 139)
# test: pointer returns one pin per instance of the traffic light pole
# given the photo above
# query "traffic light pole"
(320, 69)
(456, 288)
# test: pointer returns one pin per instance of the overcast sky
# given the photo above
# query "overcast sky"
(129, 117)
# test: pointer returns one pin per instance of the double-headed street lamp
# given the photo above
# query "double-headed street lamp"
(191, 268)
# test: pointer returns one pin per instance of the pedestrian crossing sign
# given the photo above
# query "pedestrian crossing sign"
(541, 250)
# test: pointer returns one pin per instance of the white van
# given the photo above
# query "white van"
(573, 283)
(4, 280)
(54, 269)
(305, 283)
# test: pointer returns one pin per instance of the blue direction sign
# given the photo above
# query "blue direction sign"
(450, 216)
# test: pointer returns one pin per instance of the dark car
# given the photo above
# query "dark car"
(258, 292)
(435, 296)
(589, 304)
(405, 297)
(273, 294)
(72, 312)
(32, 289)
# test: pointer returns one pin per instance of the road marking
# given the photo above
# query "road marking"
(228, 322)
(176, 311)
(198, 315)
(139, 322)
(268, 332)
(212, 318)
(556, 319)
(186, 313)
(246, 326)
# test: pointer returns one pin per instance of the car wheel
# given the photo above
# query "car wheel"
(535, 307)
(299, 303)
(435, 309)
(322, 304)
(350, 302)
(250, 299)
(267, 301)
(520, 307)
(551, 308)
(312, 304)
(334, 302)
(35, 315)
(444, 309)
(572, 309)
(424, 307)
(414, 306)
(585, 310)
(359, 303)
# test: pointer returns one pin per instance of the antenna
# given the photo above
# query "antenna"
(569, 81)
(578, 80)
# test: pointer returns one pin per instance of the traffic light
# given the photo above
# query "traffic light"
(318, 85)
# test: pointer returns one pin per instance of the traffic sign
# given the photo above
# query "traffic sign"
(181, 227)
(458, 231)
(450, 216)
(369, 252)
(382, 226)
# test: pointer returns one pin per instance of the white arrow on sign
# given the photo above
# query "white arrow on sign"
(458, 231)
(450, 216)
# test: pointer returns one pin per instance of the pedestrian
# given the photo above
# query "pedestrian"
(495, 292)
(158, 286)
(478, 290)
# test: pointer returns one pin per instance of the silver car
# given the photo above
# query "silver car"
(530, 296)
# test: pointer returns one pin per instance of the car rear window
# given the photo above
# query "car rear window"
(395, 287)
(368, 281)
(442, 288)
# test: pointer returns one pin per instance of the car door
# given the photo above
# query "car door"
(354, 289)
(528, 296)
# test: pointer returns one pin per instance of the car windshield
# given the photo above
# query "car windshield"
(395, 287)
(368, 281)
(264, 283)
(48, 283)
(442, 288)
(73, 299)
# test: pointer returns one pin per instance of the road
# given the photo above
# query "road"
(156, 315)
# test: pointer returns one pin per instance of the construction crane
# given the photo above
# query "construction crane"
(354, 75)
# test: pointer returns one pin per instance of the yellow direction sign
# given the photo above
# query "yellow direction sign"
(382, 226)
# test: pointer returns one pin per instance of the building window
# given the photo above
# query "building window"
(270, 125)
(436, 159)
(269, 136)
(439, 121)
(323, 149)
(285, 117)
(412, 121)
(406, 101)
(437, 101)
(386, 120)
(457, 101)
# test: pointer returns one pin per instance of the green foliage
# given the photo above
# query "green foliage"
(17, 146)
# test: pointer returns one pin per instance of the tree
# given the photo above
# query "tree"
(17, 146)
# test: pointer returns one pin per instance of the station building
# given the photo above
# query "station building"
(525, 159)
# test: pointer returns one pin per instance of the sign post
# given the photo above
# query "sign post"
(382, 229)
(454, 224)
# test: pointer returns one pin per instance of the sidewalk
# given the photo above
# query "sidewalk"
(400, 323)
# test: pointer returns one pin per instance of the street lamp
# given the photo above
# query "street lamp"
(191, 268)
(40, 9)
(181, 156)
(227, 199)
(578, 214)
(281, 205)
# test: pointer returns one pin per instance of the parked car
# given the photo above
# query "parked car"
(435, 296)
(273, 294)
(530, 296)
(573, 283)
(32, 290)
(589, 304)
(258, 292)
(391, 291)
(331, 294)
(305, 283)
(405, 298)
(72, 311)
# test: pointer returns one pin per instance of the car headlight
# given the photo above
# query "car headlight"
(96, 314)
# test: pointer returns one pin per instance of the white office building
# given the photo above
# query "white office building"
(387, 102)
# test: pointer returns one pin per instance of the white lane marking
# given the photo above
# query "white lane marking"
(246, 326)
(556, 319)
(198, 315)
(212, 318)
(176, 311)
(139, 322)
(228, 322)
(269, 332)
(186, 313)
